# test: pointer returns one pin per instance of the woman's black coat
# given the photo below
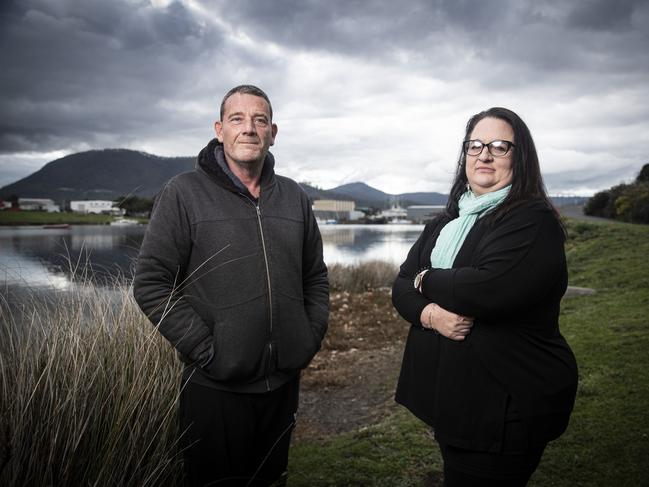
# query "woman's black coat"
(514, 365)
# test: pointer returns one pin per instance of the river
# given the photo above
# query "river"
(37, 257)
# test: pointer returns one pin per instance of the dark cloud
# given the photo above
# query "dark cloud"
(505, 43)
(80, 69)
(97, 73)
(602, 15)
(351, 28)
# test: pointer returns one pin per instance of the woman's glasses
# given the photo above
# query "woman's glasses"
(496, 148)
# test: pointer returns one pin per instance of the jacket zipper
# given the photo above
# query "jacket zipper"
(270, 294)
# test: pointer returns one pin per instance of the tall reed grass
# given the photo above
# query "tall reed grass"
(88, 392)
(89, 389)
(364, 276)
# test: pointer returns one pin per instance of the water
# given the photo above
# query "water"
(37, 257)
(33, 257)
(352, 244)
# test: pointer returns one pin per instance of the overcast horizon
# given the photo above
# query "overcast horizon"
(370, 91)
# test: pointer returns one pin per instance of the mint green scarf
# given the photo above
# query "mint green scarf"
(454, 232)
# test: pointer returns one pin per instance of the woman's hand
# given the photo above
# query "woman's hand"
(446, 323)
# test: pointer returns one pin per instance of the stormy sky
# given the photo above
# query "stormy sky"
(374, 91)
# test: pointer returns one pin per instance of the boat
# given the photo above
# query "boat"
(124, 222)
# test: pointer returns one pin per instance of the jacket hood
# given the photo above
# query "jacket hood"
(207, 161)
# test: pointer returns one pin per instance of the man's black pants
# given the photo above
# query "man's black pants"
(235, 439)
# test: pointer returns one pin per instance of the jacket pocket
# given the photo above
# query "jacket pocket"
(240, 342)
(296, 341)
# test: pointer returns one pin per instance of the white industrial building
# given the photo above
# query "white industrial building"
(37, 204)
(96, 206)
(335, 210)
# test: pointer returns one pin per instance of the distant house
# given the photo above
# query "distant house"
(37, 204)
(327, 210)
(423, 213)
(96, 206)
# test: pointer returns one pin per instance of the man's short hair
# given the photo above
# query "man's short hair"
(246, 90)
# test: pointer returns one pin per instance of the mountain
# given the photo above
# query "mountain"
(360, 190)
(424, 198)
(109, 173)
(99, 174)
(322, 194)
(363, 195)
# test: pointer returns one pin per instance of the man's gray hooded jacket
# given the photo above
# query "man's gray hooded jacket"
(237, 285)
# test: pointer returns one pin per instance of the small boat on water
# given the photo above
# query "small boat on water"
(124, 222)
(57, 225)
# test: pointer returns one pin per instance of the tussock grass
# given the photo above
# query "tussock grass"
(88, 392)
(89, 389)
(362, 277)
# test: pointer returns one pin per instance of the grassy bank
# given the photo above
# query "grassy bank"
(608, 439)
(88, 389)
(11, 218)
(607, 442)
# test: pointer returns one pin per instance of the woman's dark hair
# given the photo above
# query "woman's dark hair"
(527, 183)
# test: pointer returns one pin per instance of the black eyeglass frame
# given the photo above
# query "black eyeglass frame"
(465, 147)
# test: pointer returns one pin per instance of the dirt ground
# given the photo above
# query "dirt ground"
(351, 381)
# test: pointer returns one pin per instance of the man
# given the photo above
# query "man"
(231, 273)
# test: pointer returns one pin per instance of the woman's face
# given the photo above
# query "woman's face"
(485, 172)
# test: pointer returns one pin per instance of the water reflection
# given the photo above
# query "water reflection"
(15, 269)
(51, 257)
(351, 244)
(37, 257)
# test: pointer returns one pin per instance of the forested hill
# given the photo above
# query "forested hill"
(100, 174)
(110, 173)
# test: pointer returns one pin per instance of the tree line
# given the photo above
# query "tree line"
(624, 202)
(134, 205)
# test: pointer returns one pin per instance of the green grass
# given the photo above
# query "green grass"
(88, 389)
(607, 442)
(9, 218)
(397, 452)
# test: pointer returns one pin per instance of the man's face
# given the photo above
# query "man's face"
(246, 130)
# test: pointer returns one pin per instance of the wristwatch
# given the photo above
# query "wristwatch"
(419, 278)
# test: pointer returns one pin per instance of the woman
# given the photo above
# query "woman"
(485, 364)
